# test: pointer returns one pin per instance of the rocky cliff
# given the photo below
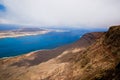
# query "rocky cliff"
(96, 56)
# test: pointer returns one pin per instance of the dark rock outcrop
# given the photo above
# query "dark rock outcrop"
(112, 39)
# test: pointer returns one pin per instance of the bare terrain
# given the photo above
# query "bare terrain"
(96, 56)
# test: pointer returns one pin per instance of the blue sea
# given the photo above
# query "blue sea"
(22, 45)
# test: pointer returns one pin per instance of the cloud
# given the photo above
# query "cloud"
(76, 13)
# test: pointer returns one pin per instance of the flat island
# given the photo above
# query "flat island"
(23, 32)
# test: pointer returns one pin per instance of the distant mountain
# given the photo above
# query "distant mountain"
(30, 29)
(96, 56)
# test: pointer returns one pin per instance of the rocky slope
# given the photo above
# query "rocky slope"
(96, 56)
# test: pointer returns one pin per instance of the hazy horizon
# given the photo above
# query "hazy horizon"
(57, 13)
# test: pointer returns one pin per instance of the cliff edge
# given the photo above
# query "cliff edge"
(96, 56)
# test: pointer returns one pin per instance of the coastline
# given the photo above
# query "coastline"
(29, 34)
(20, 34)
(32, 52)
(25, 54)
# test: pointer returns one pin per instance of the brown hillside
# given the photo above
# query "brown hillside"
(96, 56)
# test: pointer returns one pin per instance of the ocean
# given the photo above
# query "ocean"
(21, 45)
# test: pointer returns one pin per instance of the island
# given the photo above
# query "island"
(23, 32)
(95, 56)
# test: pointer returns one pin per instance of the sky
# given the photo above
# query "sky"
(69, 13)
